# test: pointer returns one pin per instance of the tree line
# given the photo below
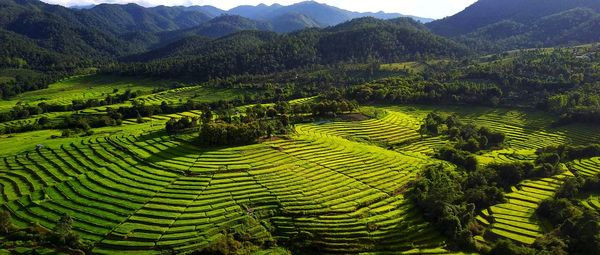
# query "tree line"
(256, 121)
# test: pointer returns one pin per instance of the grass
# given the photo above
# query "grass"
(410, 66)
(195, 93)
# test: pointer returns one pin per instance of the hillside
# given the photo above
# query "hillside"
(129, 18)
(220, 26)
(523, 24)
(393, 40)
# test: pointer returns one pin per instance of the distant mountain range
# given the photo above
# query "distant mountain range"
(41, 36)
(44, 37)
(312, 12)
(321, 13)
(260, 52)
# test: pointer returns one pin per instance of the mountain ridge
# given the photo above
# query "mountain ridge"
(333, 15)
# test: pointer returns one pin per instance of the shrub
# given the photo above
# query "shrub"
(507, 247)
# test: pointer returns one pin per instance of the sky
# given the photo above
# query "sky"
(424, 8)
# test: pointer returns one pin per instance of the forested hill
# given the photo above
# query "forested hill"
(101, 33)
(361, 40)
(511, 24)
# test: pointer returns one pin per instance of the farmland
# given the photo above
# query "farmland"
(132, 188)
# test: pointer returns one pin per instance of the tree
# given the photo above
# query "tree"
(6, 225)
(63, 233)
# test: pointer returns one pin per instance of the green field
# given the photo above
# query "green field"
(82, 88)
(133, 188)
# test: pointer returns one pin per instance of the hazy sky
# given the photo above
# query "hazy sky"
(424, 8)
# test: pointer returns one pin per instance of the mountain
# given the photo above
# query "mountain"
(218, 27)
(53, 38)
(488, 12)
(207, 9)
(196, 46)
(511, 24)
(60, 29)
(290, 22)
(321, 13)
(360, 40)
(131, 18)
(254, 12)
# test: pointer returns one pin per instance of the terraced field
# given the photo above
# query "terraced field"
(81, 88)
(592, 202)
(344, 182)
(393, 128)
(516, 218)
(525, 130)
(158, 193)
(195, 93)
(586, 167)
(513, 220)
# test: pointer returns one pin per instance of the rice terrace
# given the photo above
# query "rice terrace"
(300, 129)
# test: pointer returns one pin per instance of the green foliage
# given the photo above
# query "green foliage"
(439, 194)
(461, 158)
(565, 153)
(177, 125)
(578, 227)
(61, 237)
(6, 225)
(241, 240)
(389, 42)
(468, 137)
(507, 247)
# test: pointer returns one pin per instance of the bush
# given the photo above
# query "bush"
(507, 247)
(460, 158)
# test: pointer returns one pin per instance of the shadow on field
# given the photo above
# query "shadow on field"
(155, 141)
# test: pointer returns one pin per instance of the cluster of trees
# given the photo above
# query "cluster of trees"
(416, 89)
(182, 124)
(325, 108)
(250, 236)
(23, 83)
(231, 127)
(20, 111)
(565, 153)
(222, 133)
(438, 193)
(467, 137)
(576, 227)
(257, 121)
(561, 81)
(449, 197)
(61, 237)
